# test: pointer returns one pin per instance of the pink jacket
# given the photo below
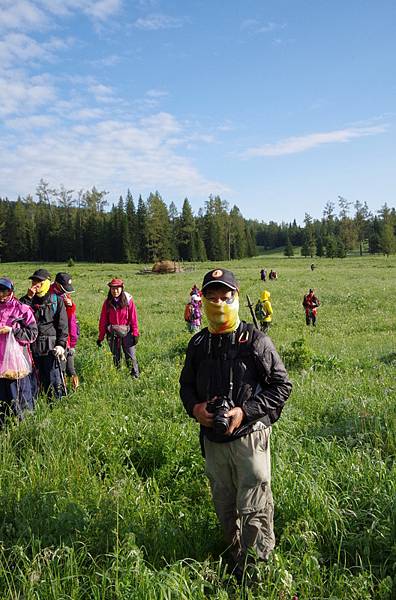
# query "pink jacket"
(110, 315)
(21, 318)
(73, 328)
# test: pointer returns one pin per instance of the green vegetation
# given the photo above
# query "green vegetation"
(63, 225)
(103, 495)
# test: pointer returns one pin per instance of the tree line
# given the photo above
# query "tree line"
(60, 224)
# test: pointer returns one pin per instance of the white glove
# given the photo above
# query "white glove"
(59, 352)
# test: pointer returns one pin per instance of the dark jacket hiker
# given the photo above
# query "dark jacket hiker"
(49, 348)
(235, 385)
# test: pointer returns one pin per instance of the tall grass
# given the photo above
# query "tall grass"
(103, 495)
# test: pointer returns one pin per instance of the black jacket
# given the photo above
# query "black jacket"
(51, 318)
(260, 385)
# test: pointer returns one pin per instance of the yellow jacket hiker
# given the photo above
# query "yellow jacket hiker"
(263, 311)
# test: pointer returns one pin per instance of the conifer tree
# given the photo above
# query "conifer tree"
(157, 229)
(187, 238)
(141, 219)
(132, 227)
(289, 250)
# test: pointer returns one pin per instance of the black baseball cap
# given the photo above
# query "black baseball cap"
(220, 277)
(41, 275)
(64, 280)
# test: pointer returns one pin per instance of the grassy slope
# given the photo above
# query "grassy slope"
(104, 494)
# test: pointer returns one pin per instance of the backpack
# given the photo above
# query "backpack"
(77, 329)
(188, 312)
(260, 311)
(52, 302)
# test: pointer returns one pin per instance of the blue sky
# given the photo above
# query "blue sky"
(278, 106)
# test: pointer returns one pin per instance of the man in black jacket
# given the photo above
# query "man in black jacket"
(235, 385)
(49, 348)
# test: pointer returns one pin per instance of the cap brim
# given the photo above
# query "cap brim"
(38, 278)
(219, 282)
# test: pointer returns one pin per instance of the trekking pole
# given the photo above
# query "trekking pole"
(250, 305)
(62, 376)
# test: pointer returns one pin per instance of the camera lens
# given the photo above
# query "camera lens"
(221, 424)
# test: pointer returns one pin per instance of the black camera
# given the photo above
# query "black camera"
(219, 406)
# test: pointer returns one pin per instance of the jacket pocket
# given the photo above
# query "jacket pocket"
(44, 344)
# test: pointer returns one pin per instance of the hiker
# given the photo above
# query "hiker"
(310, 303)
(312, 266)
(18, 329)
(63, 288)
(49, 348)
(263, 274)
(119, 324)
(235, 385)
(273, 275)
(193, 313)
(195, 291)
(263, 311)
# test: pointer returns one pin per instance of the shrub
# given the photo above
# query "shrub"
(298, 356)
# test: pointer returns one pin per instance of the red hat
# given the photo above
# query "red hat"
(116, 283)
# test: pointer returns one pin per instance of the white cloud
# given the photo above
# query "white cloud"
(32, 122)
(85, 114)
(20, 95)
(102, 9)
(21, 15)
(256, 27)
(157, 21)
(294, 145)
(111, 154)
(21, 49)
(156, 93)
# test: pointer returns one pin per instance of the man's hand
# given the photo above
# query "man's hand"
(5, 329)
(236, 416)
(59, 352)
(202, 415)
(33, 289)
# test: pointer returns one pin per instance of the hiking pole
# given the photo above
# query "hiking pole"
(62, 376)
(250, 305)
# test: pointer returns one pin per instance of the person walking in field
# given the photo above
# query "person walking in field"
(119, 324)
(63, 288)
(50, 346)
(193, 313)
(310, 303)
(263, 274)
(18, 329)
(263, 311)
(235, 385)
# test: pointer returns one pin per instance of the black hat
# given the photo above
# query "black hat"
(41, 274)
(64, 280)
(220, 277)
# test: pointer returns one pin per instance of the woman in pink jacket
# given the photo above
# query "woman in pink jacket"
(118, 322)
(16, 320)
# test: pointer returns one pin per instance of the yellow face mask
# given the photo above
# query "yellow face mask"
(45, 286)
(222, 317)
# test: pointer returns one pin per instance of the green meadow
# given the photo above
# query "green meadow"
(103, 494)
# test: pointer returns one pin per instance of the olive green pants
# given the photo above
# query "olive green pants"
(240, 478)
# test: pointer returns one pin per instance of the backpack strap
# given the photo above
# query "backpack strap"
(54, 302)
